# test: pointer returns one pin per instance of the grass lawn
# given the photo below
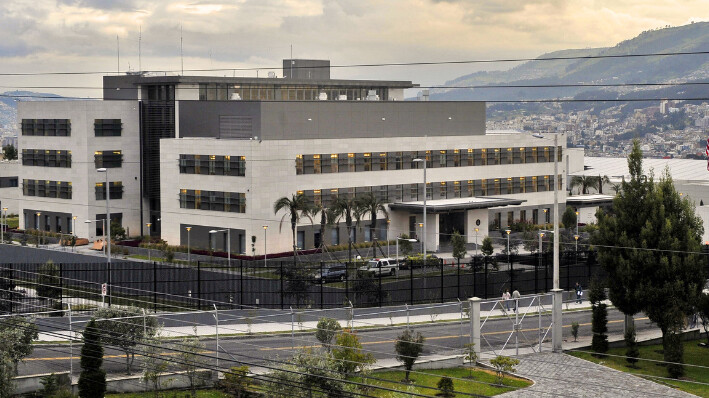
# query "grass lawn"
(172, 394)
(693, 354)
(13, 222)
(483, 382)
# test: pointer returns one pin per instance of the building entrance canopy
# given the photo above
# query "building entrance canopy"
(448, 205)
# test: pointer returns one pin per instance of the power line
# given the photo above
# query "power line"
(370, 65)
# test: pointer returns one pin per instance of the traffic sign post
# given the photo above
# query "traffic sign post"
(104, 290)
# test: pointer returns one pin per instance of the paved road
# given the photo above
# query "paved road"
(441, 338)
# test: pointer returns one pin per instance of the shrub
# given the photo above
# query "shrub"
(326, 330)
(408, 348)
(674, 354)
(503, 365)
(236, 382)
(446, 387)
(575, 330)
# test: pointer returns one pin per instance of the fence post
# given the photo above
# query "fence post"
(347, 280)
(441, 265)
(475, 276)
(474, 305)
(486, 277)
(199, 286)
(411, 283)
(281, 278)
(512, 274)
(458, 287)
(556, 331)
(546, 272)
(568, 275)
(241, 284)
(155, 288)
(61, 285)
(536, 277)
(380, 293)
(322, 300)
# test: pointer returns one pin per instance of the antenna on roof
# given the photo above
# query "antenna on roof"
(182, 59)
(140, 52)
(118, 56)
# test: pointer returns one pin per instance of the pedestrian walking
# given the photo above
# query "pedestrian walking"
(579, 292)
(506, 298)
(516, 296)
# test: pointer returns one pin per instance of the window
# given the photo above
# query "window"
(46, 127)
(351, 162)
(46, 188)
(367, 162)
(523, 215)
(46, 158)
(414, 192)
(116, 190)
(335, 236)
(334, 163)
(535, 216)
(508, 157)
(456, 158)
(108, 127)
(497, 186)
(298, 164)
(383, 163)
(234, 202)
(429, 191)
(456, 189)
(442, 159)
(108, 159)
(317, 164)
(443, 191)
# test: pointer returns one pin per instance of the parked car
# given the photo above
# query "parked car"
(332, 273)
(380, 266)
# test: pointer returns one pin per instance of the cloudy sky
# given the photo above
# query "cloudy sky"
(81, 35)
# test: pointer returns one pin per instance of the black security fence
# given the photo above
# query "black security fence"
(32, 287)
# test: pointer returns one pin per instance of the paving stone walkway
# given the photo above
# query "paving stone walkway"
(561, 375)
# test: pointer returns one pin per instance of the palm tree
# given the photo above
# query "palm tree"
(372, 205)
(296, 206)
(325, 219)
(584, 182)
(600, 180)
(351, 210)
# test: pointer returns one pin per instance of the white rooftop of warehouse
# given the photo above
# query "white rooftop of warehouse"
(616, 168)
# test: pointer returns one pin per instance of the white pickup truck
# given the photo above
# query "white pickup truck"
(381, 266)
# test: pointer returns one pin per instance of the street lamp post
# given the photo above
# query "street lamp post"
(476, 241)
(108, 224)
(228, 243)
(108, 260)
(577, 222)
(509, 264)
(425, 195)
(148, 224)
(73, 232)
(38, 231)
(265, 251)
(388, 245)
(189, 258)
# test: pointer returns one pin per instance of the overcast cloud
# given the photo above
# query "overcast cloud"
(80, 35)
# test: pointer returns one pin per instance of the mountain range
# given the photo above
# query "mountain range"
(8, 106)
(593, 73)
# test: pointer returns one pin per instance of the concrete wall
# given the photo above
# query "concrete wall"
(10, 196)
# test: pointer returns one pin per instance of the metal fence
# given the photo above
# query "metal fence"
(32, 287)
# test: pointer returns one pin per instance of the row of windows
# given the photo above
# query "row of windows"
(233, 202)
(46, 127)
(108, 127)
(270, 92)
(47, 189)
(46, 158)
(373, 161)
(437, 190)
(116, 190)
(213, 165)
(108, 159)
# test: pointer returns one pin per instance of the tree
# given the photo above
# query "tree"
(631, 347)
(237, 381)
(471, 356)
(295, 207)
(17, 334)
(325, 219)
(92, 380)
(305, 374)
(487, 246)
(351, 210)
(154, 365)
(189, 359)
(408, 348)
(348, 354)
(117, 231)
(125, 329)
(404, 245)
(569, 218)
(575, 330)
(9, 152)
(600, 181)
(583, 182)
(373, 205)
(48, 282)
(366, 290)
(326, 330)
(445, 384)
(7, 373)
(458, 243)
(599, 317)
(703, 310)
(297, 284)
(503, 365)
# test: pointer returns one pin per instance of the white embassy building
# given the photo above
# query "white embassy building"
(215, 153)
